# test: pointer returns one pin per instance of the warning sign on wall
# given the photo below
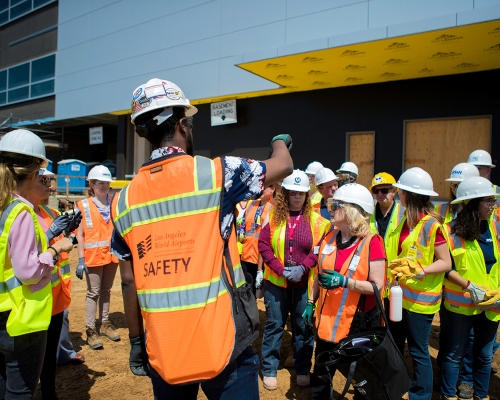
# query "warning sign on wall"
(95, 135)
(223, 113)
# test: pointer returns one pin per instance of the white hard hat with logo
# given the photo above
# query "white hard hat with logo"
(324, 175)
(313, 167)
(22, 141)
(462, 171)
(354, 193)
(480, 158)
(297, 181)
(349, 167)
(100, 173)
(416, 180)
(474, 187)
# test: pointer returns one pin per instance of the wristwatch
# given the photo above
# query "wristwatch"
(56, 256)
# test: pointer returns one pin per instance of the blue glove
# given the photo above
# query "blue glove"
(294, 272)
(138, 360)
(329, 279)
(81, 267)
(308, 313)
(286, 138)
(60, 224)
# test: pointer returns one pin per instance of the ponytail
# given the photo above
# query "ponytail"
(7, 186)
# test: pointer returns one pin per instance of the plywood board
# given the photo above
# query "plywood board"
(438, 145)
(361, 153)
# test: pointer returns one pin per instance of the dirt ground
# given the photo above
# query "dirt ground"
(106, 375)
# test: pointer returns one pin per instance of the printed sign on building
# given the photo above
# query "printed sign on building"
(95, 135)
(223, 113)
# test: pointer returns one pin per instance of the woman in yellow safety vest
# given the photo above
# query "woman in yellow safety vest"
(26, 267)
(423, 258)
(472, 287)
(459, 173)
(286, 243)
(349, 258)
(94, 257)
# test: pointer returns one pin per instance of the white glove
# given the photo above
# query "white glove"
(477, 293)
(258, 279)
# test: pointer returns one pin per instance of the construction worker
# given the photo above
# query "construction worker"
(95, 258)
(472, 287)
(327, 184)
(482, 160)
(459, 173)
(350, 257)
(54, 224)
(347, 173)
(287, 243)
(256, 212)
(26, 267)
(311, 170)
(423, 258)
(174, 228)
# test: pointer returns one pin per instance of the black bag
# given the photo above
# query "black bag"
(371, 361)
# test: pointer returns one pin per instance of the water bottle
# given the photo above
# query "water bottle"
(396, 302)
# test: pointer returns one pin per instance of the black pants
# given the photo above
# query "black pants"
(251, 269)
(397, 330)
(48, 375)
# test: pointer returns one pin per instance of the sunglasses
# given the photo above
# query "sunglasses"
(332, 207)
(489, 202)
(190, 122)
(45, 180)
(454, 185)
(292, 193)
(383, 191)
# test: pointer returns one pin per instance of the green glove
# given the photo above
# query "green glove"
(308, 313)
(329, 279)
(286, 138)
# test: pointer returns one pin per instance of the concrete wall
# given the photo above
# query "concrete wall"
(106, 48)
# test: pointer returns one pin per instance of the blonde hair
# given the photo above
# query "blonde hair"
(281, 207)
(90, 191)
(417, 204)
(357, 220)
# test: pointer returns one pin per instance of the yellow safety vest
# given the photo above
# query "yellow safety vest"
(444, 209)
(420, 296)
(30, 311)
(470, 265)
(316, 197)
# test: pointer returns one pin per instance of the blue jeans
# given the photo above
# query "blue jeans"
(466, 371)
(418, 329)
(458, 338)
(279, 302)
(21, 360)
(239, 380)
(65, 351)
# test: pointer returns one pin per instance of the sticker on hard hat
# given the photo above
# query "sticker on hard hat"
(144, 101)
(379, 179)
(456, 172)
(154, 91)
(474, 158)
(137, 93)
(173, 94)
(297, 180)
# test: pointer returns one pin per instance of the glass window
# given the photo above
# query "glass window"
(19, 75)
(3, 97)
(20, 9)
(4, 17)
(40, 89)
(19, 94)
(14, 2)
(44, 68)
(4, 4)
(38, 3)
(3, 80)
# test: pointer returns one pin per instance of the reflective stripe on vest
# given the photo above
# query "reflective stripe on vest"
(86, 212)
(250, 250)
(93, 245)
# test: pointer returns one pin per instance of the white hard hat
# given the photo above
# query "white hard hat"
(480, 158)
(313, 167)
(349, 167)
(46, 172)
(298, 181)
(24, 142)
(159, 93)
(416, 180)
(474, 187)
(100, 173)
(324, 175)
(462, 171)
(354, 193)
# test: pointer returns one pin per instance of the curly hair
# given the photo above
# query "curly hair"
(357, 220)
(417, 204)
(281, 207)
(468, 221)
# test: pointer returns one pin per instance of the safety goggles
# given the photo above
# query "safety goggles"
(45, 180)
(383, 191)
(190, 122)
(489, 202)
(332, 207)
(292, 193)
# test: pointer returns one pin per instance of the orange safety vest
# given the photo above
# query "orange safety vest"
(61, 276)
(337, 307)
(97, 235)
(317, 207)
(250, 251)
(169, 216)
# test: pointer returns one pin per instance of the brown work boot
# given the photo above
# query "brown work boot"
(108, 330)
(93, 339)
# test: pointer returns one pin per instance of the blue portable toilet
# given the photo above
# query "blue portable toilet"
(111, 166)
(49, 166)
(88, 167)
(76, 171)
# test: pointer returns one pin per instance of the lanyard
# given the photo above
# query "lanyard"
(291, 230)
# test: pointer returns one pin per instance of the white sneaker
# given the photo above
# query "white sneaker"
(303, 380)
(270, 382)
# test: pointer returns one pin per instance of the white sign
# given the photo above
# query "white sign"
(223, 113)
(95, 135)
(75, 167)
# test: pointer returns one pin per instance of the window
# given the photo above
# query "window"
(28, 81)
(12, 9)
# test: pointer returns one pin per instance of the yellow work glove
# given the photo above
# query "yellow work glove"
(407, 268)
(492, 296)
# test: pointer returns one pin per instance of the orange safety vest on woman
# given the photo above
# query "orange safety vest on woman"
(337, 307)
(169, 216)
(250, 251)
(97, 233)
(61, 276)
